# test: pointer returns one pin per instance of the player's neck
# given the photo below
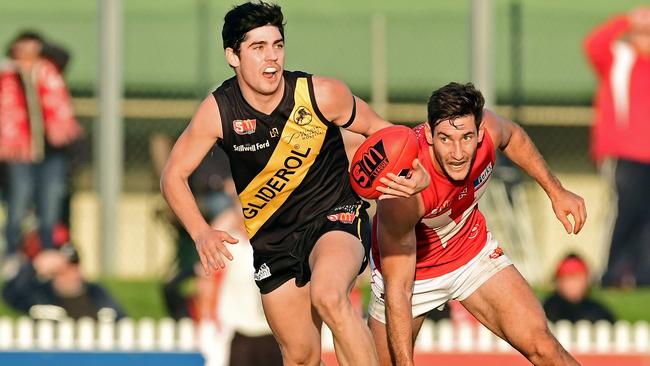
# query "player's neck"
(265, 103)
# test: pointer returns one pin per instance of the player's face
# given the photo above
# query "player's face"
(261, 60)
(454, 143)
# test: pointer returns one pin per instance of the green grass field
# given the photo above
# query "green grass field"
(427, 43)
(143, 298)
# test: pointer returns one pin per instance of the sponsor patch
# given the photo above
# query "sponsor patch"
(496, 253)
(370, 165)
(344, 217)
(262, 273)
(244, 126)
(485, 174)
(252, 147)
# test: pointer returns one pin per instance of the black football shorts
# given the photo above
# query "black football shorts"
(274, 269)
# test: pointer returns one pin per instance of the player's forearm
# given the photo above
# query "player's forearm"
(399, 324)
(178, 195)
(522, 151)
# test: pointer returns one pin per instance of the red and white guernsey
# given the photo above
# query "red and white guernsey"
(453, 230)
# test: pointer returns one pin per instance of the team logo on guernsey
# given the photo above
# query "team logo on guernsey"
(372, 163)
(244, 126)
(344, 217)
(485, 174)
(302, 116)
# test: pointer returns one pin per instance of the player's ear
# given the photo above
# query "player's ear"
(481, 131)
(428, 134)
(232, 57)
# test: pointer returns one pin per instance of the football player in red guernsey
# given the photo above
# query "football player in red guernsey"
(435, 246)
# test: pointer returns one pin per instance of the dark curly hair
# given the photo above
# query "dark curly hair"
(245, 17)
(455, 100)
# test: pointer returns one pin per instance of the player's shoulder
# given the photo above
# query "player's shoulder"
(207, 117)
(328, 88)
(332, 96)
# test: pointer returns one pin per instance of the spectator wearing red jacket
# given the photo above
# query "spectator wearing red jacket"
(619, 52)
(36, 126)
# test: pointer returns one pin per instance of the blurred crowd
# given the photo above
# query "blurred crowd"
(40, 266)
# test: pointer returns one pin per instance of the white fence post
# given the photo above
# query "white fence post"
(622, 334)
(563, 333)
(86, 333)
(445, 331)
(166, 334)
(186, 339)
(126, 334)
(65, 334)
(146, 333)
(465, 338)
(425, 341)
(327, 339)
(641, 336)
(583, 330)
(603, 336)
(106, 335)
(6, 333)
(24, 333)
(45, 334)
(485, 339)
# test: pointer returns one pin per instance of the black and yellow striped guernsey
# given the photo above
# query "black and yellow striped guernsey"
(289, 166)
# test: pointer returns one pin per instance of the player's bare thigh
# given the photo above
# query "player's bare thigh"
(295, 324)
(507, 305)
(336, 260)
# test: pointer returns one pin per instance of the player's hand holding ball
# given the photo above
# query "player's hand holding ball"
(386, 165)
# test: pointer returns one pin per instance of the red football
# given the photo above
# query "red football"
(389, 150)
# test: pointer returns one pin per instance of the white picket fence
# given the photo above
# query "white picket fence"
(167, 335)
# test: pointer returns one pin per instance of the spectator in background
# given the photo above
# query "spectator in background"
(214, 190)
(36, 126)
(54, 278)
(240, 306)
(619, 51)
(571, 301)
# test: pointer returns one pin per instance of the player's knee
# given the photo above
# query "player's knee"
(300, 354)
(330, 303)
(543, 348)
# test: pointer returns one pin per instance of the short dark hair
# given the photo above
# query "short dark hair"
(455, 100)
(245, 17)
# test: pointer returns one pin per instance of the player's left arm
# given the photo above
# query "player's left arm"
(518, 147)
(396, 220)
(341, 107)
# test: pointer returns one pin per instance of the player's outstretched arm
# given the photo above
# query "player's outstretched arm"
(518, 147)
(187, 153)
(342, 108)
(397, 245)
